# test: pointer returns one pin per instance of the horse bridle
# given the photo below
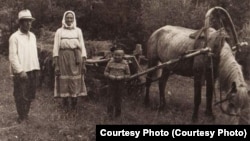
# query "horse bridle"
(228, 97)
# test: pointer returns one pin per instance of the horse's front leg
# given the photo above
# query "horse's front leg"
(209, 93)
(197, 95)
(162, 86)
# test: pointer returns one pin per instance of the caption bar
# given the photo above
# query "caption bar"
(171, 131)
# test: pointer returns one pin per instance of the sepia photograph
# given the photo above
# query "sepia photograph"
(68, 66)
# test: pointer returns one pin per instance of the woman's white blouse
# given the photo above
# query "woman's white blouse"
(69, 38)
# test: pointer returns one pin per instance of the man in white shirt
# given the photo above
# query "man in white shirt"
(24, 63)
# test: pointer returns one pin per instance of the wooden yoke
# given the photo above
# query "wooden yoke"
(226, 22)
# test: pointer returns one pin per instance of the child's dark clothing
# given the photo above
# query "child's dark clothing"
(116, 87)
(115, 91)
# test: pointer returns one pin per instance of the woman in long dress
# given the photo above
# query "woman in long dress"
(69, 54)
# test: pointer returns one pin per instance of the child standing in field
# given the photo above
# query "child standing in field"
(116, 71)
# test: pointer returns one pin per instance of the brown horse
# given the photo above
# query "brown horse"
(171, 42)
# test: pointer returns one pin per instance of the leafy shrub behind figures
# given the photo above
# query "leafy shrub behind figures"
(97, 47)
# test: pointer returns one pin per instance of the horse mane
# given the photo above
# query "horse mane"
(230, 71)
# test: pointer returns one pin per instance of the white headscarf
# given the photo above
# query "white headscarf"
(73, 25)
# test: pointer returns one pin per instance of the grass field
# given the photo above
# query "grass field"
(49, 122)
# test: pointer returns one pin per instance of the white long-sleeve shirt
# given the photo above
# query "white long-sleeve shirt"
(69, 38)
(23, 54)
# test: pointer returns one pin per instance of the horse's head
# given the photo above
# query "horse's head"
(238, 104)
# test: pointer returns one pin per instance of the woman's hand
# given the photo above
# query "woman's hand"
(83, 69)
(56, 64)
(57, 70)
